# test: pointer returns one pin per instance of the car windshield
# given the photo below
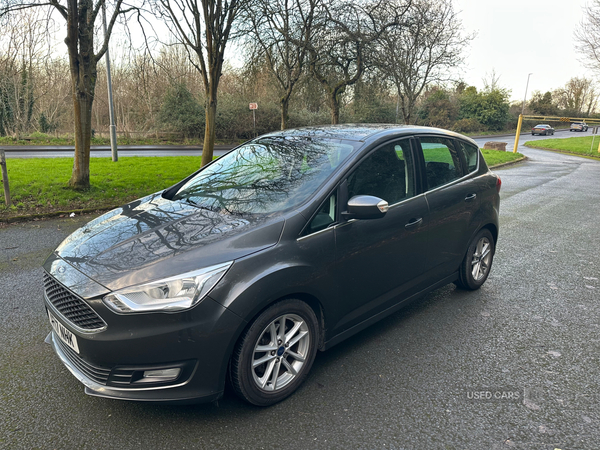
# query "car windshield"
(267, 175)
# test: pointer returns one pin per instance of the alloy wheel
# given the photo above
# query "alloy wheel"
(482, 258)
(280, 352)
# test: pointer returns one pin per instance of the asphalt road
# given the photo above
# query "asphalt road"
(530, 337)
(103, 151)
(100, 151)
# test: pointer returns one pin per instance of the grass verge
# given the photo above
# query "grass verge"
(494, 157)
(38, 186)
(575, 145)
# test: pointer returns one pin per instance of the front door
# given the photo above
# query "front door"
(378, 260)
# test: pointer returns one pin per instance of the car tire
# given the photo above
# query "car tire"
(477, 263)
(267, 366)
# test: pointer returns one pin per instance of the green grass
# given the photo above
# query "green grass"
(39, 185)
(494, 157)
(577, 145)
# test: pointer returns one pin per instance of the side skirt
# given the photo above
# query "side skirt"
(391, 310)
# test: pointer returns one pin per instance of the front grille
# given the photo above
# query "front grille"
(96, 373)
(74, 309)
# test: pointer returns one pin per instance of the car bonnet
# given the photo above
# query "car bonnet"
(153, 238)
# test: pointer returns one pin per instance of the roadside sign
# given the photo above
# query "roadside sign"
(253, 106)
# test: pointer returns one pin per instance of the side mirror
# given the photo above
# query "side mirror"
(365, 207)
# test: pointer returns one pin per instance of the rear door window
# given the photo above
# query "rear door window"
(442, 161)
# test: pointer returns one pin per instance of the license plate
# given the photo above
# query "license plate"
(63, 334)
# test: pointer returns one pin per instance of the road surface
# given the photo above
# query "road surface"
(33, 151)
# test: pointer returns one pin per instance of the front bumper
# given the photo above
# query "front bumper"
(151, 394)
(107, 362)
(116, 349)
(111, 362)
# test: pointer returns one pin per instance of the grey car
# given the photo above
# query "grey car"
(286, 245)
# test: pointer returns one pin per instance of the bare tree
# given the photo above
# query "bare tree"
(280, 34)
(578, 97)
(420, 53)
(23, 49)
(342, 35)
(204, 27)
(336, 52)
(80, 18)
(587, 36)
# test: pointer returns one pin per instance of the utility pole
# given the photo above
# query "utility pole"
(113, 128)
(521, 117)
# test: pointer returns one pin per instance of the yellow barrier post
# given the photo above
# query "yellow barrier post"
(518, 133)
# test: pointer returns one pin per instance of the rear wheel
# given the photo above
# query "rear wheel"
(275, 354)
(476, 266)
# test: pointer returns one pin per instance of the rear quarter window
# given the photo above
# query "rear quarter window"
(471, 154)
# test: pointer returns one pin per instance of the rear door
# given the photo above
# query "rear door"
(452, 196)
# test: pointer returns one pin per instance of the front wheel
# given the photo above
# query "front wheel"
(274, 355)
(476, 266)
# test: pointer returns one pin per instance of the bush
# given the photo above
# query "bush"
(45, 125)
(180, 111)
(468, 126)
(489, 108)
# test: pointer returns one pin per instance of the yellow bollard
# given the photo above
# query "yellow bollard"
(518, 133)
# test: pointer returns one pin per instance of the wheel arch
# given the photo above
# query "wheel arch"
(313, 302)
(493, 229)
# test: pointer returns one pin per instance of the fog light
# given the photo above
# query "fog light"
(159, 375)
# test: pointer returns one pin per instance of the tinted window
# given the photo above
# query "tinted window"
(264, 176)
(442, 162)
(387, 173)
(471, 153)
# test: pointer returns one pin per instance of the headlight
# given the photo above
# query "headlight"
(170, 294)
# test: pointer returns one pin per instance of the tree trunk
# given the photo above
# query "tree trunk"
(80, 178)
(209, 130)
(83, 69)
(334, 103)
(285, 103)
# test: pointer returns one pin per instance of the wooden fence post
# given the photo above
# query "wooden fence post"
(5, 178)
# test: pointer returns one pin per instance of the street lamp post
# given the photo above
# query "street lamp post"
(111, 111)
(521, 117)
(525, 98)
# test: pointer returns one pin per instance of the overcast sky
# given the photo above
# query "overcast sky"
(516, 37)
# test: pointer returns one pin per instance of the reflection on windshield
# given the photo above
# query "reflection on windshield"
(267, 175)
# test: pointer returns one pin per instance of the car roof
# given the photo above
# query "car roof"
(542, 125)
(362, 132)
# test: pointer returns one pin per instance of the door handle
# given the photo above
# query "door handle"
(470, 197)
(413, 223)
